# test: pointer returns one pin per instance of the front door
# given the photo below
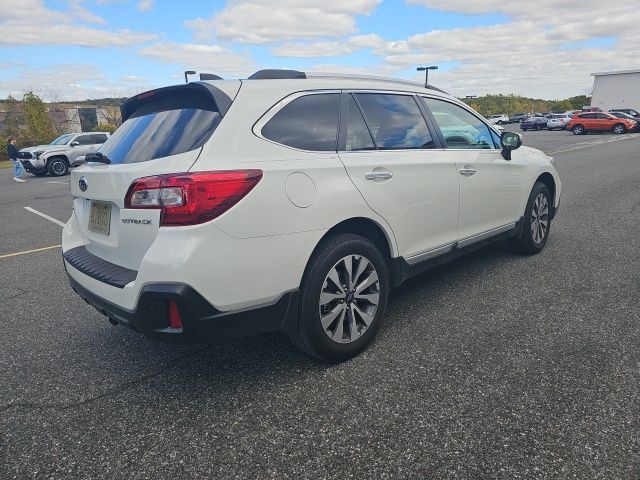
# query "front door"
(490, 186)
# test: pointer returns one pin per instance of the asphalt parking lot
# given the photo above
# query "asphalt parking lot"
(494, 366)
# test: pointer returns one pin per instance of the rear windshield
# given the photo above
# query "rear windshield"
(163, 127)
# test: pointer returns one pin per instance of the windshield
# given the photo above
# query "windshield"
(160, 134)
(62, 139)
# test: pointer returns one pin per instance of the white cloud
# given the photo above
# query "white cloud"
(72, 82)
(58, 27)
(267, 21)
(145, 5)
(534, 53)
(329, 48)
(209, 58)
(79, 12)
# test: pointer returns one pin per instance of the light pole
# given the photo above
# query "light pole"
(188, 72)
(426, 73)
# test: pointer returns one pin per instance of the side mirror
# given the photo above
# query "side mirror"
(75, 143)
(510, 141)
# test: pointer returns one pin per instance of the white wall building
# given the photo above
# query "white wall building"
(616, 90)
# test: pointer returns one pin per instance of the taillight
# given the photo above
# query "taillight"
(191, 198)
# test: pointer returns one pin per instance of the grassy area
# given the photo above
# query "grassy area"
(5, 164)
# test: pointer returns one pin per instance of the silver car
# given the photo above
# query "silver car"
(57, 157)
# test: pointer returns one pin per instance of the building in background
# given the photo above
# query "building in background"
(619, 89)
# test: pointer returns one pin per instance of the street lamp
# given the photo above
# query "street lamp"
(426, 73)
(188, 72)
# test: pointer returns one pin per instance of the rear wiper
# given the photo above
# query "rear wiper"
(97, 158)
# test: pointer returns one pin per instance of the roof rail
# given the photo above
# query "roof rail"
(295, 74)
(374, 78)
(210, 76)
(271, 74)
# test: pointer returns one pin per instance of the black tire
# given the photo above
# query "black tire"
(525, 242)
(619, 129)
(550, 129)
(578, 130)
(57, 166)
(538, 128)
(308, 333)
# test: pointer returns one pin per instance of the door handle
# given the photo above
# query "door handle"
(379, 175)
(467, 171)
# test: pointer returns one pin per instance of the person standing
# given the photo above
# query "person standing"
(18, 169)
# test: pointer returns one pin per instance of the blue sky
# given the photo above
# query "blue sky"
(77, 49)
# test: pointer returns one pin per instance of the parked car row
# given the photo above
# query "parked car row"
(616, 121)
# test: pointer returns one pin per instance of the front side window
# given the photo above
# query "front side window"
(460, 128)
(62, 139)
(309, 122)
(395, 121)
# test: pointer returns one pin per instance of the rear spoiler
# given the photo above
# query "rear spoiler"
(191, 95)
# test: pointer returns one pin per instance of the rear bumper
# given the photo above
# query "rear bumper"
(202, 323)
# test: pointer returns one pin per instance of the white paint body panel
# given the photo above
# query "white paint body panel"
(258, 250)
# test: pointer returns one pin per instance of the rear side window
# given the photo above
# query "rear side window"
(84, 139)
(460, 128)
(395, 121)
(358, 136)
(168, 125)
(99, 138)
(308, 123)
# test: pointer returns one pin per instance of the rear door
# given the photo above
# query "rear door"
(605, 121)
(163, 132)
(391, 156)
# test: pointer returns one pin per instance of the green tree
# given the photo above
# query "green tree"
(39, 128)
(106, 127)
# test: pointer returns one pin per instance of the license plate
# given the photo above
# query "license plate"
(100, 217)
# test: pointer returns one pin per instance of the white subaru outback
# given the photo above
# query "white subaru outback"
(292, 202)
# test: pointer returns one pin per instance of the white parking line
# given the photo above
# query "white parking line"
(61, 183)
(44, 215)
(26, 252)
(597, 142)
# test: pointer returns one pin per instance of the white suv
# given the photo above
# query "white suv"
(292, 202)
(500, 119)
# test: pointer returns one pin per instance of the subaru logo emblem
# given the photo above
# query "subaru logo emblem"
(82, 183)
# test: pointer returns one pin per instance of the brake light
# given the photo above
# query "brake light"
(191, 198)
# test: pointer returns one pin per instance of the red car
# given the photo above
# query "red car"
(599, 122)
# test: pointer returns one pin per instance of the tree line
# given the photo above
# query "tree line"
(513, 104)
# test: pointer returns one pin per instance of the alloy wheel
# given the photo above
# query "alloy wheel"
(349, 299)
(540, 218)
(58, 167)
